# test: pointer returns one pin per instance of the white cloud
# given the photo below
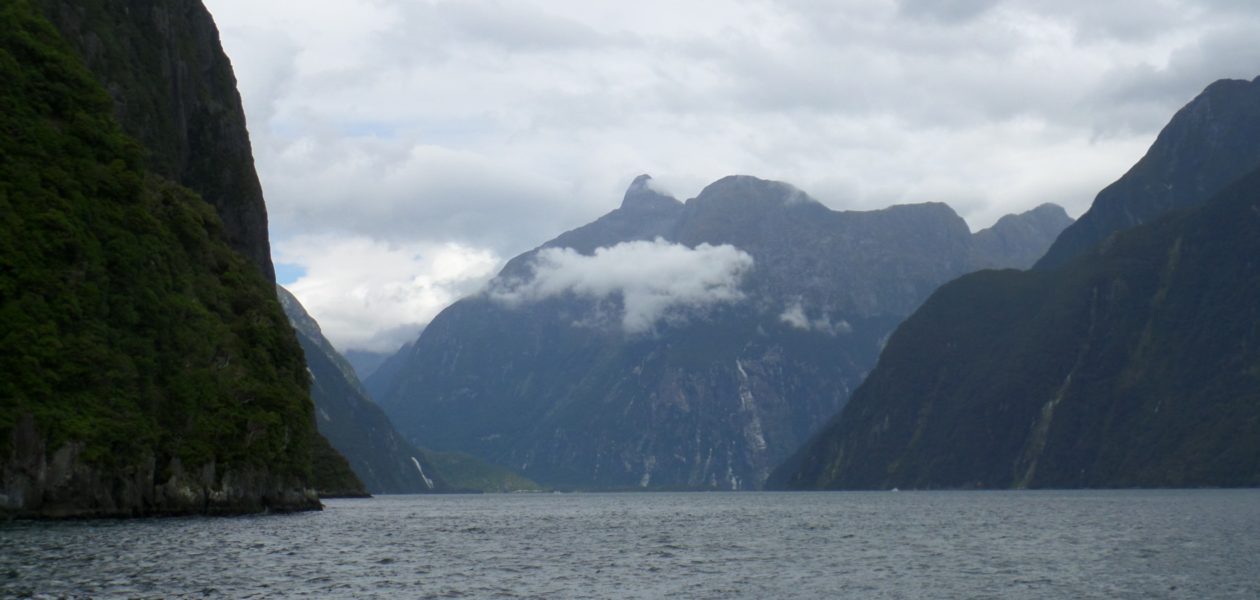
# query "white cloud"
(372, 295)
(654, 280)
(550, 105)
(794, 315)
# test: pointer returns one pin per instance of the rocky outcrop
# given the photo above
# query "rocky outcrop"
(708, 398)
(63, 483)
(174, 91)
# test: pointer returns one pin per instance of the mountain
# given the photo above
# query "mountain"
(1212, 141)
(1017, 241)
(1135, 364)
(677, 345)
(365, 362)
(358, 429)
(352, 423)
(148, 368)
(465, 473)
(174, 91)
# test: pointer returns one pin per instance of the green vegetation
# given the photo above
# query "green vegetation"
(129, 324)
(462, 473)
(174, 92)
(331, 475)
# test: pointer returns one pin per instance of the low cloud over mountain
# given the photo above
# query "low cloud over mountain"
(651, 280)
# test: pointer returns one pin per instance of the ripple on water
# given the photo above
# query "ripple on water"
(1027, 545)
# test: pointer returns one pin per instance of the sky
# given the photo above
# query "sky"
(407, 148)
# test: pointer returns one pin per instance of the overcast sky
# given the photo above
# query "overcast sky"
(408, 147)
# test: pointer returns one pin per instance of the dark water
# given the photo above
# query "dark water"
(1152, 544)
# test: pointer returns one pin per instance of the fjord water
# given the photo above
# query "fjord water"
(1078, 544)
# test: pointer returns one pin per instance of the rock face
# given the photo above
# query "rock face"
(148, 368)
(1135, 364)
(1210, 142)
(174, 91)
(354, 425)
(573, 391)
(66, 483)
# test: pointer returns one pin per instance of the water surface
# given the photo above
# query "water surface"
(1092, 544)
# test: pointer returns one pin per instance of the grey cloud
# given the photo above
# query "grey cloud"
(390, 340)
(1137, 97)
(511, 26)
(499, 124)
(398, 193)
(440, 31)
(945, 10)
(267, 76)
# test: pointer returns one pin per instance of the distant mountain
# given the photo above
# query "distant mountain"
(672, 345)
(464, 473)
(1137, 363)
(365, 362)
(356, 427)
(1017, 241)
(1212, 141)
(352, 423)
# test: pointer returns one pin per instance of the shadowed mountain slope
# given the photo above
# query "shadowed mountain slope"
(676, 345)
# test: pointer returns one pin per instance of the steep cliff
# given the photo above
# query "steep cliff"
(1137, 363)
(148, 368)
(174, 91)
(599, 361)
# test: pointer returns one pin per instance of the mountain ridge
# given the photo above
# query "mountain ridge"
(1191, 159)
(707, 398)
(1131, 365)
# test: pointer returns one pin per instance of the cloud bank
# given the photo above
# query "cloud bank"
(494, 125)
(376, 296)
(654, 280)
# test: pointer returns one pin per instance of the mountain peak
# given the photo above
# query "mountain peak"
(642, 195)
(1048, 214)
(746, 190)
(1212, 141)
(1018, 240)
